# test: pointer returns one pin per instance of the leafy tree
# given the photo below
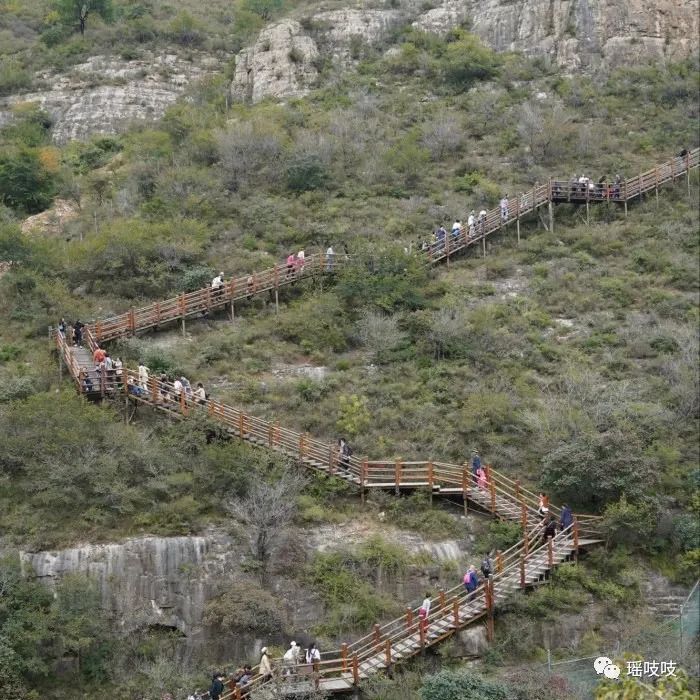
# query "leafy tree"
(77, 11)
(595, 469)
(24, 182)
(462, 685)
(354, 416)
(467, 60)
(306, 172)
(80, 625)
(265, 9)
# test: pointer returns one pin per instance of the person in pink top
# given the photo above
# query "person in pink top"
(290, 265)
(481, 478)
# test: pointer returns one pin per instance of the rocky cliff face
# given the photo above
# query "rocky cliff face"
(104, 94)
(167, 581)
(576, 34)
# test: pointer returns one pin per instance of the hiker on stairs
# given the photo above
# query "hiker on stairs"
(424, 611)
(550, 529)
(481, 478)
(290, 659)
(471, 580)
(344, 454)
(566, 518)
(487, 567)
(143, 375)
(265, 665)
(476, 465)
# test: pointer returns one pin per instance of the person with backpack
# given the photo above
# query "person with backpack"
(471, 580)
(344, 454)
(487, 567)
(550, 529)
(78, 333)
(217, 686)
(313, 656)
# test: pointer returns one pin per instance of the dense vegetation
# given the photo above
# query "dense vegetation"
(570, 360)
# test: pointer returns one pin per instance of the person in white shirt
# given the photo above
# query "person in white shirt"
(470, 222)
(504, 208)
(217, 285)
(313, 655)
(177, 389)
(330, 257)
(290, 659)
(143, 376)
(200, 395)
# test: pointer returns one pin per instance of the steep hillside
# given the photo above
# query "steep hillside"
(568, 360)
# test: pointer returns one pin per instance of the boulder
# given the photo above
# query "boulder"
(280, 64)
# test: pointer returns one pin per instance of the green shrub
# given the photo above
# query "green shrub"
(245, 607)
(13, 77)
(306, 172)
(25, 184)
(451, 685)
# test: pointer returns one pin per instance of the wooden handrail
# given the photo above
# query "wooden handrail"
(511, 565)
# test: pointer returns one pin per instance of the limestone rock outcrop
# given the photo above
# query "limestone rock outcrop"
(577, 34)
(104, 94)
(279, 64)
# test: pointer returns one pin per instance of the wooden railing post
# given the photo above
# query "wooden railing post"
(492, 487)
(465, 487)
(240, 425)
(363, 478)
(455, 613)
(238, 693)
(499, 561)
(270, 434)
(441, 598)
(98, 331)
(301, 446)
(377, 635)
(344, 657)
(157, 313)
(183, 404)
(355, 670)
(488, 594)
(421, 633)
(576, 538)
(331, 459)
(397, 477)
(431, 480)
(523, 515)
(132, 321)
(522, 570)
(409, 620)
(517, 489)
(387, 652)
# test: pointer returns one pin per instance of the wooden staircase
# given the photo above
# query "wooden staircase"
(525, 564)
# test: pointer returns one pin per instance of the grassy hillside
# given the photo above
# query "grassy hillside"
(569, 360)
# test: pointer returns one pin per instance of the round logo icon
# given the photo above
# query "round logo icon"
(612, 671)
(600, 663)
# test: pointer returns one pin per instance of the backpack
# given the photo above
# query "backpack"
(486, 567)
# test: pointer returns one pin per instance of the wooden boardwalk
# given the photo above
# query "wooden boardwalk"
(526, 563)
